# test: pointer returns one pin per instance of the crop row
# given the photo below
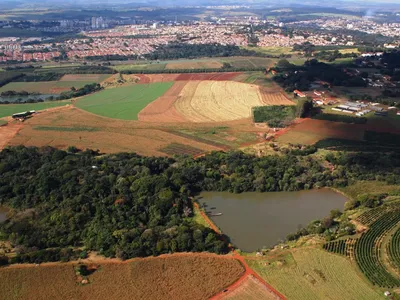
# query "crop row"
(338, 247)
(370, 216)
(367, 250)
(394, 249)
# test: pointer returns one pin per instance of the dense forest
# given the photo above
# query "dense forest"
(293, 77)
(126, 205)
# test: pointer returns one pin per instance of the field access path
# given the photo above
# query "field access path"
(248, 271)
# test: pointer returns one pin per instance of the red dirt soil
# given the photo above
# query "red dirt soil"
(149, 78)
(162, 109)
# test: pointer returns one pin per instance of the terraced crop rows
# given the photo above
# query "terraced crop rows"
(394, 249)
(368, 251)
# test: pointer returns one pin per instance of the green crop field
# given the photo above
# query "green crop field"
(10, 109)
(43, 87)
(125, 102)
(308, 273)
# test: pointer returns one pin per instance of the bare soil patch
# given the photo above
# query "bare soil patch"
(275, 98)
(7, 132)
(250, 289)
(162, 109)
(310, 131)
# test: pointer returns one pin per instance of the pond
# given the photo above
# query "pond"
(257, 220)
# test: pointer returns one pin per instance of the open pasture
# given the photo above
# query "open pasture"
(308, 273)
(206, 64)
(10, 109)
(43, 87)
(85, 77)
(310, 131)
(213, 101)
(178, 276)
(74, 127)
(125, 102)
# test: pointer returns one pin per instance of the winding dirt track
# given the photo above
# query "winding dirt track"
(248, 272)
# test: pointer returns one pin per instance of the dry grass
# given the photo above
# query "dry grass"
(194, 65)
(95, 132)
(180, 276)
(213, 101)
(251, 289)
(309, 273)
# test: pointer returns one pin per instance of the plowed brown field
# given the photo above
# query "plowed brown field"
(163, 109)
(208, 76)
(274, 98)
(213, 101)
(177, 276)
(150, 78)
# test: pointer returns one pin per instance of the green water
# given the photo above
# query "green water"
(257, 220)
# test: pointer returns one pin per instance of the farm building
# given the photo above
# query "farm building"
(299, 94)
(23, 115)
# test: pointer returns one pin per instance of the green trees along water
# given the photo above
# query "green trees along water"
(126, 205)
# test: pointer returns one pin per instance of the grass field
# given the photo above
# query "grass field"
(309, 273)
(55, 87)
(125, 102)
(158, 66)
(271, 50)
(10, 109)
(211, 64)
(181, 276)
(43, 87)
(365, 187)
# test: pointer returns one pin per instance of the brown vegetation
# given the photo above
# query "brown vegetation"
(178, 276)
(311, 131)
(250, 289)
(7, 132)
(71, 126)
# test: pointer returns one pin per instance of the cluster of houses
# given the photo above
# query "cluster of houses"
(318, 97)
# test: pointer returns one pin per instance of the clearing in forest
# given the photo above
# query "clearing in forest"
(124, 102)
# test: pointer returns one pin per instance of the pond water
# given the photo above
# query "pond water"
(16, 99)
(257, 220)
(3, 213)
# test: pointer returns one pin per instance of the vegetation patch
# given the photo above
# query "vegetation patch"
(180, 149)
(51, 128)
(275, 115)
(124, 102)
